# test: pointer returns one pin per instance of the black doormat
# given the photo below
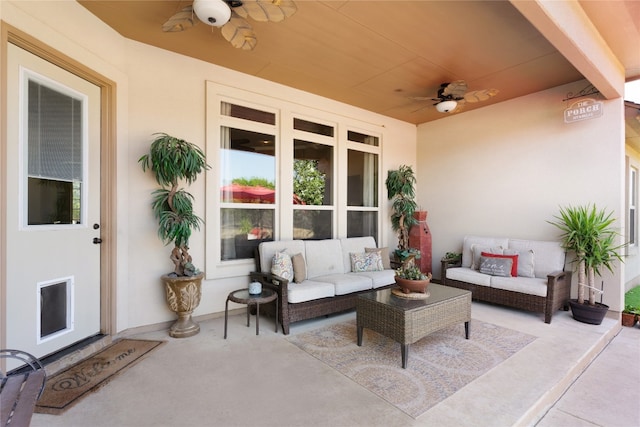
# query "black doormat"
(67, 387)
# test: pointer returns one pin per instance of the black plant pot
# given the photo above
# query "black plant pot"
(586, 313)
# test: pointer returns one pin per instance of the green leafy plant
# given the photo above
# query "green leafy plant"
(173, 160)
(587, 232)
(453, 256)
(411, 273)
(631, 309)
(401, 190)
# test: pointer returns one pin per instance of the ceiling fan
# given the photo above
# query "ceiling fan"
(230, 16)
(452, 96)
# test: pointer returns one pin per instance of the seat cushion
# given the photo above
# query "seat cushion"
(483, 243)
(347, 283)
(309, 290)
(350, 245)
(268, 249)
(549, 257)
(324, 257)
(525, 285)
(380, 278)
(465, 274)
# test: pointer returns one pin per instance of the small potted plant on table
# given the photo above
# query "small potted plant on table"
(171, 160)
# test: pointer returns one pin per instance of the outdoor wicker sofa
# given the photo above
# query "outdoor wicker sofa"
(325, 278)
(538, 283)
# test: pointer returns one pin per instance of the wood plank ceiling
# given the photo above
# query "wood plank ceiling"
(377, 55)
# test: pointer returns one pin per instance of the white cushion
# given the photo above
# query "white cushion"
(380, 278)
(490, 242)
(525, 285)
(465, 274)
(282, 266)
(347, 283)
(366, 261)
(350, 245)
(268, 250)
(324, 257)
(549, 256)
(526, 262)
(309, 290)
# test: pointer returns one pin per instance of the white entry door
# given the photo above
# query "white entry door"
(52, 206)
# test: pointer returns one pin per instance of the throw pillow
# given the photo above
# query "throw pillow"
(476, 253)
(514, 258)
(525, 262)
(496, 266)
(384, 254)
(366, 261)
(282, 266)
(299, 268)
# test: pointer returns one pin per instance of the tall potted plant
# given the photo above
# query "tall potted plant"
(588, 233)
(173, 160)
(401, 190)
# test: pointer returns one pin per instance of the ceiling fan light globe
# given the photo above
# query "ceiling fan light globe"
(212, 12)
(446, 106)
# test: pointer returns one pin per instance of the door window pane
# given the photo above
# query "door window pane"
(248, 167)
(241, 112)
(312, 173)
(362, 138)
(54, 156)
(312, 224)
(242, 230)
(362, 180)
(362, 224)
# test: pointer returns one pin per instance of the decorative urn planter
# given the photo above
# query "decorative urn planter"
(410, 286)
(183, 296)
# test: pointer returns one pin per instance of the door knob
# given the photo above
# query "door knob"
(97, 240)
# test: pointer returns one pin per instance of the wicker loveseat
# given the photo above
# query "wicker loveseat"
(540, 283)
(325, 281)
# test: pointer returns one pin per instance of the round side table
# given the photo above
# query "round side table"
(242, 296)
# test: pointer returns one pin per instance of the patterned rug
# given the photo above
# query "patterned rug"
(66, 388)
(438, 365)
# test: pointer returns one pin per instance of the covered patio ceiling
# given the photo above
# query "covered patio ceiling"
(378, 55)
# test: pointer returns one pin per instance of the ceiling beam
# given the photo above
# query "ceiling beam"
(566, 26)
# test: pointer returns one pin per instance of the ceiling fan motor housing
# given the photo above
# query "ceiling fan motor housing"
(212, 12)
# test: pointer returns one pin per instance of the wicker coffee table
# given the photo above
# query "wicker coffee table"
(408, 320)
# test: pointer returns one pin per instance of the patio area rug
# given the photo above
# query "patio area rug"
(67, 387)
(438, 366)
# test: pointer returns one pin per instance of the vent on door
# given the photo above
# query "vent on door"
(56, 308)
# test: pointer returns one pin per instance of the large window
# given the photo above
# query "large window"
(313, 183)
(247, 183)
(362, 186)
(282, 171)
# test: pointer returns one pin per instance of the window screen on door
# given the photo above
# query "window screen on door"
(54, 156)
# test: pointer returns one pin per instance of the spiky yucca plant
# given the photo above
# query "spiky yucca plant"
(171, 160)
(587, 232)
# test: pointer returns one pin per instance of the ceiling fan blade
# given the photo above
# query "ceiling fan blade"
(425, 98)
(239, 33)
(455, 89)
(181, 21)
(480, 95)
(266, 10)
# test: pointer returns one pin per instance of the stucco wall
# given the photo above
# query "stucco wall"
(158, 91)
(504, 170)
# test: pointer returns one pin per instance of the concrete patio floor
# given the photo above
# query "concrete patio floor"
(573, 374)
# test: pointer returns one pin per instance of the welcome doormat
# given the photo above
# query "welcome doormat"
(67, 387)
(438, 365)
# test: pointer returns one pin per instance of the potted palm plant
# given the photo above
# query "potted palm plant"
(588, 233)
(173, 160)
(400, 189)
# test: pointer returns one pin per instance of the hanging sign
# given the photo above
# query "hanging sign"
(584, 109)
